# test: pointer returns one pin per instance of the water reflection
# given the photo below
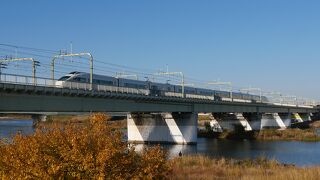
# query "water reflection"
(290, 152)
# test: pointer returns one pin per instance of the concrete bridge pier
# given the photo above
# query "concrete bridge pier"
(38, 118)
(315, 116)
(305, 116)
(214, 124)
(229, 121)
(271, 121)
(296, 118)
(260, 121)
(254, 120)
(286, 118)
(175, 128)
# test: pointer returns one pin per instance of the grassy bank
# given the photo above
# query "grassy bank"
(288, 134)
(200, 167)
(266, 134)
(14, 116)
(83, 119)
(315, 124)
(64, 119)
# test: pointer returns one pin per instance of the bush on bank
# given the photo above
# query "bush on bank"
(92, 151)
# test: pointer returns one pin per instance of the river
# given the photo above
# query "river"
(291, 152)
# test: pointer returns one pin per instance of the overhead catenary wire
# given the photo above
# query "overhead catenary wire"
(117, 68)
(100, 66)
(104, 70)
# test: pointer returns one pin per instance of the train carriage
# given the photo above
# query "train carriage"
(152, 88)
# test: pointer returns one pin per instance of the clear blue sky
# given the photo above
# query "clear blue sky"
(270, 44)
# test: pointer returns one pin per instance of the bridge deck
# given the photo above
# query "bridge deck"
(30, 98)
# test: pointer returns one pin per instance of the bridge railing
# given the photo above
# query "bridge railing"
(26, 80)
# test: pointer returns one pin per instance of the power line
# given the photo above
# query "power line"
(29, 48)
(105, 68)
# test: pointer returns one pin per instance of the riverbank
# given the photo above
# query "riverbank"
(82, 119)
(265, 135)
(6, 117)
(202, 167)
(290, 134)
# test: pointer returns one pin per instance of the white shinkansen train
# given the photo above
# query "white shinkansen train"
(157, 89)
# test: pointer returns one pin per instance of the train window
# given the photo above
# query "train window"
(142, 86)
(63, 78)
(106, 82)
(131, 85)
(79, 79)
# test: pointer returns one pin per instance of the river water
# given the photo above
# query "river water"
(291, 152)
(12, 126)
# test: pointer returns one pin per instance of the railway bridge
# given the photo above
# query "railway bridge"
(150, 118)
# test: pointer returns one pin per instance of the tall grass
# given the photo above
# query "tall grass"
(201, 167)
(288, 134)
(294, 134)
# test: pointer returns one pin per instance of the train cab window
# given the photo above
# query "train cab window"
(63, 78)
(106, 82)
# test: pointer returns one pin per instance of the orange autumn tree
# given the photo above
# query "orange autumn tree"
(93, 151)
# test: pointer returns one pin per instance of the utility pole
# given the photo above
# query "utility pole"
(2, 66)
(253, 89)
(34, 64)
(71, 49)
(223, 83)
(73, 55)
(174, 73)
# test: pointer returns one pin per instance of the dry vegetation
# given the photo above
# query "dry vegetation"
(93, 151)
(293, 134)
(200, 167)
(14, 116)
(288, 134)
(204, 118)
(65, 119)
(315, 124)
